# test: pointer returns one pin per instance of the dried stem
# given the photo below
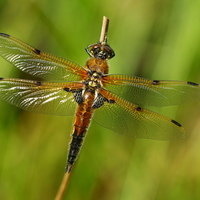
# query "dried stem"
(104, 30)
(63, 186)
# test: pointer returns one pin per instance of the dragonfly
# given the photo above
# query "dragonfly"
(114, 101)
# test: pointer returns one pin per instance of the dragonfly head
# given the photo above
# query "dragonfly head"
(100, 51)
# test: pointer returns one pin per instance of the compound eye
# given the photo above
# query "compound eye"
(109, 52)
(96, 50)
(91, 50)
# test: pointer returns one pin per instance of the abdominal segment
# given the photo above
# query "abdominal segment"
(82, 121)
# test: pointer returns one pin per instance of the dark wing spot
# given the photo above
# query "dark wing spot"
(39, 83)
(155, 82)
(66, 89)
(37, 51)
(191, 83)
(1, 78)
(4, 35)
(138, 108)
(111, 101)
(176, 123)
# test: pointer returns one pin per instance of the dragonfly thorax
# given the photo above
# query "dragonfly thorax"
(97, 65)
(94, 84)
(93, 81)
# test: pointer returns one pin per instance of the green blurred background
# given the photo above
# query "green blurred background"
(158, 39)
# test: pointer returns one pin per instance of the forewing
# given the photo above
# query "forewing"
(141, 91)
(40, 97)
(38, 63)
(125, 118)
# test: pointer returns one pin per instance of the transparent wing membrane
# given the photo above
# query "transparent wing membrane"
(125, 118)
(39, 97)
(38, 63)
(141, 91)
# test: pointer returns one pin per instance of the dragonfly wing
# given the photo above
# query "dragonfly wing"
(125, 118)
(40, 97)
(38, 63)
(141, 91)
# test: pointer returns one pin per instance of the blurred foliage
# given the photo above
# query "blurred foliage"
(154, 39)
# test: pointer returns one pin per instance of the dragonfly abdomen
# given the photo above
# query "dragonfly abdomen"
(82, 121)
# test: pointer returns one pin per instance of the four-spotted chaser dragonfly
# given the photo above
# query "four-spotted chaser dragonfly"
(114, 101)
